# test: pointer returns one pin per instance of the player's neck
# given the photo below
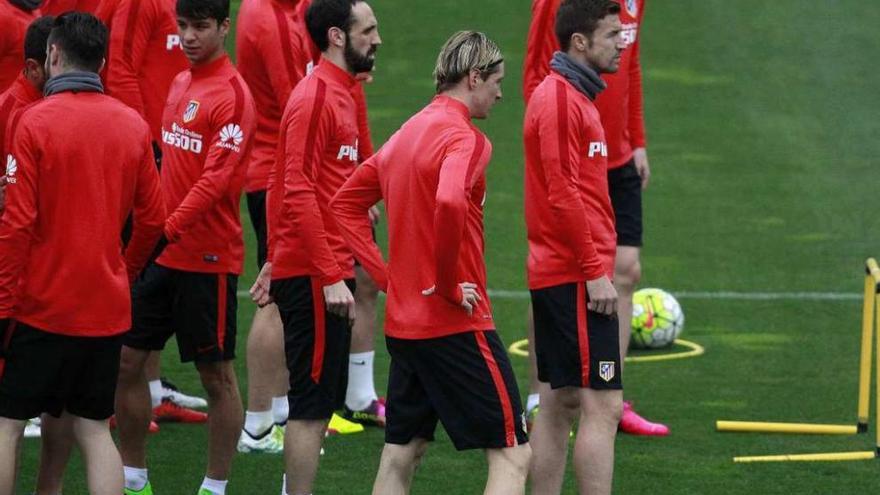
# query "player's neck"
(581, 58)
(461, 95)
(221, 52)
(337, 58)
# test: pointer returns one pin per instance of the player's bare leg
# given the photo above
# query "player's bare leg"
(56, 443)
(302, 450)
(133, 411)
(549, 438)
(594, 446)
(397, 467)
(360, 397)
(267, 371)
(533, 399)
(224, 416)
(508, 469)
(101, 459)
(627, 273)
(11, 433)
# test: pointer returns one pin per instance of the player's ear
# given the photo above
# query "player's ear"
(224, 26)
(473, 79)
(336, 36)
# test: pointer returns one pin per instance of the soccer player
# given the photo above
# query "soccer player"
(58, 7)
(310, 267)
(621, 110)
(190, 291)
(143, 58)
(447, 361)
(68, 200)
(15, 17)
(571, 236)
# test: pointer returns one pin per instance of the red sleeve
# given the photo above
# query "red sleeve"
(540, 46)
(350, 207)
(560, 134)
(132, 24)
(457, 172)
(308, 131)
(365, 141)
(148, 214)
(286, 65)
(19, 218)
(636, 100)
(230, 118)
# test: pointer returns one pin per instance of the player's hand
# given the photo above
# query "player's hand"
(375, 215)
(603, 296)
(3, 182)
(469, 295)
(640, 157)
(339, 300)
(260, 290)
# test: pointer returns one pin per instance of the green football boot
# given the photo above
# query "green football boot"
(146, 490)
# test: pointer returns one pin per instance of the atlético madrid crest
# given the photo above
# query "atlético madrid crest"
(606, 370)
(192, 109)
(632, 7)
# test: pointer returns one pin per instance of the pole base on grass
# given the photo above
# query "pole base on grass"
(795, 428)
(828, 457)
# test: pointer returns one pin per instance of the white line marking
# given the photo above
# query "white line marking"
(722, 295)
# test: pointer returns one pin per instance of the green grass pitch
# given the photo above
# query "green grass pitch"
(762, 122)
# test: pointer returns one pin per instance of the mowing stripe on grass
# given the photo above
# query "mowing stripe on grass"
(729, 295)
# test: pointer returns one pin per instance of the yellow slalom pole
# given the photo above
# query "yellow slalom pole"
(834, 456)
(795, 428)
(876, 273)
(867, 347)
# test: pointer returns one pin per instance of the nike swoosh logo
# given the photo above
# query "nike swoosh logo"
(359, 363)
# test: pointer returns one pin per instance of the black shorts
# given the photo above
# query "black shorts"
(44, 372)
(316, 344)
(575, 347)
(625, 188)
(199, 308)
(256, 203)
(464, 380)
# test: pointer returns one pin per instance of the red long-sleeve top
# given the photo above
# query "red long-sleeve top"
(58, 7)
(62, 267)
(13, 26)
(207, 131)
(144, 55)
(569, 217)
(317, 152)
(431, 175)
(621, 105)
(274, 53)
(21, 94)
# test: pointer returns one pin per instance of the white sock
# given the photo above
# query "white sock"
(532, 402)
(361, 390)
(284, 484)
(257, 423)
(156, 392)
(135, 478)
(217, 487)
(280, 410)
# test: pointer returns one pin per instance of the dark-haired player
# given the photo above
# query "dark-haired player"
(621, 109)
(570, 223)
(15, 17)
(190, 290)
(68, 200)
(310, 267)
(447, 361)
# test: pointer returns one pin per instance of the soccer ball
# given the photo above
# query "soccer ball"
(657, 319)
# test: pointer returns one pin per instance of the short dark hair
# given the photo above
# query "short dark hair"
(581, 16)
(82, 38)
(325, 14)
(204, 9)
(37, 37)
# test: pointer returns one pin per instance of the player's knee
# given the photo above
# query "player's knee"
(519, 458)
(628, 273)
(131, 365)
(217, 379)
(404, 459)
(604, 407)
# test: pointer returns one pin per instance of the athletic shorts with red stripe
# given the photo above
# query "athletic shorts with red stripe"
(316, 343)
(44, 372)
(465, 380)
(198, 308)
(575, 347)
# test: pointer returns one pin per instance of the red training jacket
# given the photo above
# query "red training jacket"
(58, 7)
(79, 164)
(144, 55)
(207, 132)
(21, 94)
(569, 217)
(13, 25)
(317, 152)
(621, 105)
(431, 174)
